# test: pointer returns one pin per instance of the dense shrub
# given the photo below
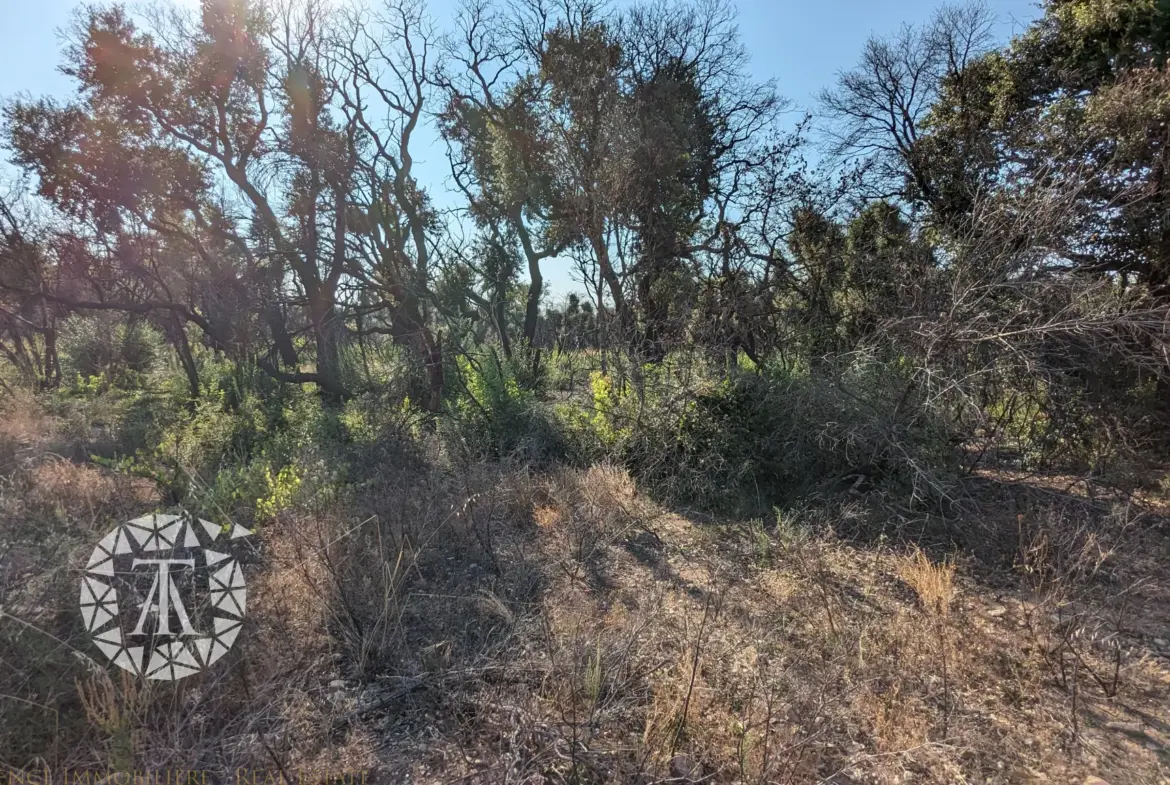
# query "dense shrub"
(110, 348)
(757, 437)
(494, 414)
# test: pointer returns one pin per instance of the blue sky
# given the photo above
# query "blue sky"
(802, 44)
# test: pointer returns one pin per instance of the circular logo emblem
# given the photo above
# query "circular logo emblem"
(162, 596)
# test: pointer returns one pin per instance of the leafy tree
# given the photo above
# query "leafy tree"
(229, 165)
(1077, 104)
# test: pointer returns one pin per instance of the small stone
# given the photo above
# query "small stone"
(337, 684)
(1159, 641)
(995, 611)
(684, 768)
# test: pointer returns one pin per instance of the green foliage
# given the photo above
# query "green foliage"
(597, 427)
(107, 350)
(282, 489)
(1019, 418)
(714, 446)
(1079, 98)
(748, 440)
(570, 369)
(232, 452)
(494, 414)
(816, 339)
(604, 404)
(380, 368)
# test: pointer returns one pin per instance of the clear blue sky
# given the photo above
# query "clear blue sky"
(800, 43)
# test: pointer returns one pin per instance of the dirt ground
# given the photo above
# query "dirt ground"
(495, 624)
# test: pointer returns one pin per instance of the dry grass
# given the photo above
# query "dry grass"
(487, 624)
(116, 710)
(933, 583)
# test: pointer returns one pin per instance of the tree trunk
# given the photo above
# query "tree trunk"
(52, 363)
(435, 375)
(327, 336)
(499, 316)
(178, 337)
(601, 251)
(532, 304)
(408, 329)
(280, 337)
(327, 333)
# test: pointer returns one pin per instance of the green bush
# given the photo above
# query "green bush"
(753, 439)
(570, 369)
(107, 350)
(493, 414)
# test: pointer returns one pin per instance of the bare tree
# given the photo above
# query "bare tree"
(381, 72)
(876, 110)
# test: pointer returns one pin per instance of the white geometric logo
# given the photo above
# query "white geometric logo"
(180, 594)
